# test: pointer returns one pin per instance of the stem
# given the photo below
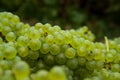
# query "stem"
(106, 43)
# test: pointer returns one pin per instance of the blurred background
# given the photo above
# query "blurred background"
(101, 16)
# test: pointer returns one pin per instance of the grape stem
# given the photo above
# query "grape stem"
(106, 43)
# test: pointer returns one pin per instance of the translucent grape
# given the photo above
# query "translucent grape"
(54, 49)
(21, 70)
(33, 54)
(35, 44)
(40, 75)
(10, 36)
(70, 53)
(45, 48)
(10, 52)
(23, 51)
(57, 73)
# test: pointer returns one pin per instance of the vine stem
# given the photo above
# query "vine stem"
(106, 43)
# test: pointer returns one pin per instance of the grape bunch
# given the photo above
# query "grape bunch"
(46, 52)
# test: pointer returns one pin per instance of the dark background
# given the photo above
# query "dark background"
(101, 16)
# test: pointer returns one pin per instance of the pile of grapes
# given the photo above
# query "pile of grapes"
(45, 52)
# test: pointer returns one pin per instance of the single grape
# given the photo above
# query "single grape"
(21, 70)
(45, 48)
(70, 53)
(40, 75)
(10, 36)
(57, 73)
(33, 54)
(10, 52)
(35, 44)
(60, 59)
(23, 51)
(72, 63)
(54, 49)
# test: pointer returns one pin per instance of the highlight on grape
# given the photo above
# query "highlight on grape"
(46, 52)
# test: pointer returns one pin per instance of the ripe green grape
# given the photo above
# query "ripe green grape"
(49, 39)
(70, 53)
(40, 75)
(23, 51)
(21, 70)
(33, 54)
(81, 51)
(35, 44)
(34, 33)
(6, 29)
(54, 49)
(57, 73)
(49, 59)
(1, 55)
(10, 36)
(45, 48)
(60, 58)
(115, 67)
(22, 41)
(72, 63)
(10, 52)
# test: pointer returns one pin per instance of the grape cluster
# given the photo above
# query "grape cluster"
(46, 52)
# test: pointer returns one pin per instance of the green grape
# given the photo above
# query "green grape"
(57, 73)
(60, 59)
(6, 29)
(18, 26)
(40, 75)
(1, 55)
(81, 51)
(81, 61)
(46, 27)
(75, 42)
(1, 72)
(118, 47)
(10, 36)
(8, 75)
(114, 76)
(99, 65)
(56, 28)
(22, 41)
(70, 53)
(35, 44)
(87, 79)
(23, 51)
(33, 54)
(72, 63)
(21, 70)
(59, 38)
(44, 48)
(54, 49)
(38, 25)
(1, 40)
(105, 73)
(115, 67)
(67, 36)
(16, 59)
(41, 65)
(34, 33)
(49, 59)
(10, 52)
(4, 64)
(15, 19)
(49, 39)
(64, 47)
(90, 65)
(109, 57)
(1, 27)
